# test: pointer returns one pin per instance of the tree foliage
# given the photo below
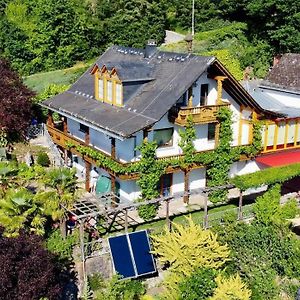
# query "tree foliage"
(231, 288)
(28, 271)
(186, 248)
(15, 103)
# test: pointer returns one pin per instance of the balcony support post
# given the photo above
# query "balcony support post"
(190, 97)
(88, 168)
(220, 80)
(50, 118)
(112, 176)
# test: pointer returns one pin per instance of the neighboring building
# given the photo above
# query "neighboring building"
(132, 94)
(280, 92)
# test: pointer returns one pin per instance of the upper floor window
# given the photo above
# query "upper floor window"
(211, 132)
(203, 94)
(108, 87)
(163, 137)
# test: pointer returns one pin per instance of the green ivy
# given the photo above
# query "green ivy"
(186, 143)
(150, 170)
(223, 157)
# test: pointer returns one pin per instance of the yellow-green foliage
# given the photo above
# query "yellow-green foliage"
(188, 247)
(185, 249)
(230, 62)
(231, 288)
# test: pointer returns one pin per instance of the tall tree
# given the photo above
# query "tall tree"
(15, 102)
(28, 271)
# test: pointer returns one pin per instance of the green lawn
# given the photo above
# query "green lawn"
(38, 82)
(215, 214)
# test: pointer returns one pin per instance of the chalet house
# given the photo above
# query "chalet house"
(129, 95)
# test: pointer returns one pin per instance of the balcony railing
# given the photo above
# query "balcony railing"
(200, 114)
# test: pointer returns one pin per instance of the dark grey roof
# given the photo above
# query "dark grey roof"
(159, 83)
(285, 75)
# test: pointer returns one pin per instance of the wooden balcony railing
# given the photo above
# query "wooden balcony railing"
(201, 114)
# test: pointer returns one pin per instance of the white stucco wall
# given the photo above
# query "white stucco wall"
(243, 167)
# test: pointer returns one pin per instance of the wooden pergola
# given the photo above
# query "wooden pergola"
(109, 207)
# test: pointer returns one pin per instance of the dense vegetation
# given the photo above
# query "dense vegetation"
(28, 271)
(15, 104)
(37, 36)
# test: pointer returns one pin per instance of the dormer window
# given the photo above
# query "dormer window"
(108, 87)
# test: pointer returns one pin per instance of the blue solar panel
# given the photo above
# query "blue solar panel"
(131, 254)
(121, 256)
(141, 252)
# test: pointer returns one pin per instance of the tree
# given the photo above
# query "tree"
(132, 23)
(15, 103)
(50, 35)
(28, 271)
(185, 249)
(231, 288)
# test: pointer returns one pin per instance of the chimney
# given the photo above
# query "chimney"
(189, 40)
(150, 48)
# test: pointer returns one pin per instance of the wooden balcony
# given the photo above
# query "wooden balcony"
(201, 114)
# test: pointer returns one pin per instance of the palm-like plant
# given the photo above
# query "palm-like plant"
(60, 193)
(8, 172)
(19, 210)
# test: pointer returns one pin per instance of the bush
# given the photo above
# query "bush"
(43, 159)
(200, 285)
(62, 247)
(96, 282)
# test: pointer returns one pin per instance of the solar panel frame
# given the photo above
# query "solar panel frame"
(115, 265)
(132, 257)
(149, 253)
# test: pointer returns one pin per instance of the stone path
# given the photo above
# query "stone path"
(173, 37)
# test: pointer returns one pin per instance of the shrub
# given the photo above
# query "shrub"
(96, 282)
(62, 247)
(200, 285)
(43, 159)
(231, 288)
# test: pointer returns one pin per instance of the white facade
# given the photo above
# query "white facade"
(126, 149)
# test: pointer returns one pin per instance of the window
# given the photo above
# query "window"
(109, 91)
(166, 184)
(203, 94)
(101, 89)
(83, 128)
(118, 94)
(163, 137)
(211, 134)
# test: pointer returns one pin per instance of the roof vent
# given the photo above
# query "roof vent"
(150, 48)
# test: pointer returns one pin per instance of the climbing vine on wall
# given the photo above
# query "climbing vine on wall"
(186, 143)
(218, 169)
(150, 173)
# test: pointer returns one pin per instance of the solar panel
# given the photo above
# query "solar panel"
(131, 254)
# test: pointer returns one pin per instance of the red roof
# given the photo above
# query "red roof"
(282, 158)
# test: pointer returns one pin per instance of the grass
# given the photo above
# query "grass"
(215, 214)
(39, 81)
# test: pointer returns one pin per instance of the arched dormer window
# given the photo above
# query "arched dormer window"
(108, 86)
